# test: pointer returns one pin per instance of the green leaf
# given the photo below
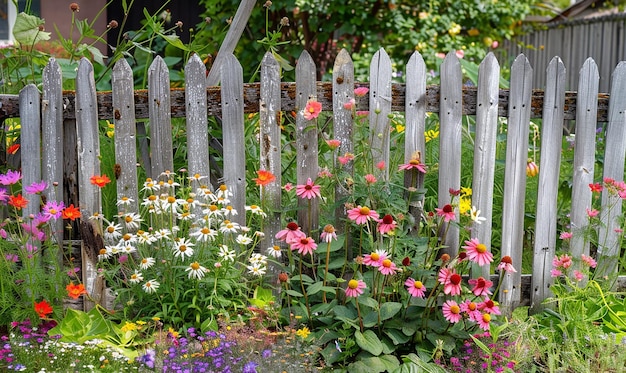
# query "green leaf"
(97, 55)
(343, 311)
(314, 288)
(369, 302)
(397, 336)
(175, 41)
(389, 310)
(369, 342)
(294, 293)
(26, 29)
(413, 364)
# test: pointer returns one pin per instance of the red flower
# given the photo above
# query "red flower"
(265, 177)
(18, 201)
(13, 148)
(75, 291)
(100, 180)
(595, 188)
(71, 212)
(43, 309)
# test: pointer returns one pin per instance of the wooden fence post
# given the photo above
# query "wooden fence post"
(380, 108)
(450, 116)
(197, 123)
(161, 146)
(30, 139)
(515, 179)
(485, 152)
(548, 189)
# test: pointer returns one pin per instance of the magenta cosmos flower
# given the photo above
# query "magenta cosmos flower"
(446, 212)
(355, 288)
(477, 252)
(36, 187)
(10, 178)
(386, 224)
(480, 286)
(362, 215)
(452, 311)
(415, 288)
(387, 267)
(291, 233)
(308, 190)
(305, 245)
(375, 259)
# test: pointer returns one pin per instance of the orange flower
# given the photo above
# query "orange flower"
(71, 212)
(43, 309)
(265, 177)
(13, 148)
(75, 291)
(18, 201)
(100, 180)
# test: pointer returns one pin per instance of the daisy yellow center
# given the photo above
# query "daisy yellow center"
(205, 230)
(152, 198)
(254, 207)
(276, 248)
(196, 176)
(102, 251)
(387, 263)
(128, 219)
(127, 237)
(223, 188)
(171, 199)
(486, 317)
(182, 248)
(133, 276)
(418, 284)
(375, 257)
(213, 208)
(189, 200)
(353, 284)
(414, 162)
(195, 266)
(481, 248)
(144, 261)
(364, 211)
(455, 309)
(229, 208)
(110, 229)
(148, 284)
(53, 211)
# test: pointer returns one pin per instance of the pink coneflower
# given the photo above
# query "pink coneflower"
(489, 306)
(506, 264)
(36, 187)
(452, 311)
(447, 212)
(415, 288)
(566, 235)
(471, 309)
(355, 288)
(375, 259)
(308, 190)
(477, 252)
(387, 267)
(305, 245)
(453, 285)
(589, 261)
(481, 286)
(444, 273)
(370, 179)
(483, 321)
(291, 233)
(361, 215)
(414, 164)
(328, 234)
(386, 224)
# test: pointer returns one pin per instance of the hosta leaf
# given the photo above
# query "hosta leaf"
(26, 30)
(369, 342)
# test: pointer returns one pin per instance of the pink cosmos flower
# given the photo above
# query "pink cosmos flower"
(415, 288)
(345, 158)
(53, 209)
(471, 309)
(370, 179)
(589, 261)
(381, 165)
(578, 275)
(328, 234)
(375, 259)
(477, 252)
(10, 178)
(566, 235)
(308, 190)
(35, 187)
(355, 288)
(349, 105)
(361, 91)
(489, 306)
(4, 195)
(361, 215)
(506, 264)
(386, 224)
(333, 144)
(452, 311)
(312, 110)
(483, 321)
(305, 245)
(481, 286)
(592, 213)
(447, 212)
(387, 267)
(291, 233)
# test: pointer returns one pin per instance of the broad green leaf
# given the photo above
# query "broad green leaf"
(294, 293)
(314, 288)
(413, 364)
(175, 41)
(369, 302)
(97, 55)
(369, 342)
(343, 311)
(26, 29)
(397, 336)
(389, 310)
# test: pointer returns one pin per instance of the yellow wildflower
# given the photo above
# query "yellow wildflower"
(110, 129)
(129, 326)
(466, 191)
(465, 205)
(454, 29)
(431, 135)
(304, 332)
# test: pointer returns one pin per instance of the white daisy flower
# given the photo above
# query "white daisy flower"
(243, 239)
(228, 226)
(128, 248)
(196, 270)
(223, 192)
(145, 238)
(256, 210)
(183, 248)
(128, 238)
(169, 184)
(185, 216)
(104, 253)
(151, 286)
(125, 201)
(112, 232)
(150, 185)
(229, 211)
(226, 254)
(274, 251)
(146, 263)
(213, 211)
(257, 269)
(132, 220)
(205, 194)
(162, 234)
(204, 234)
(136, 277)
(475, 216)
(258, 258)
(197, 177)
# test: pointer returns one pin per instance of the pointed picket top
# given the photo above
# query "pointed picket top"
(125, 135)
(485, 151)
(515, 179)
(197, 122)
(584, 154)
(161, 147)
(546, 213)
(380, 108)
(615, 152)
(52, 129)
(450, 115)
(233, 134)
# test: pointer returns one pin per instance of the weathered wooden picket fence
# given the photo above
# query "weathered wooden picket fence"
(60, 138)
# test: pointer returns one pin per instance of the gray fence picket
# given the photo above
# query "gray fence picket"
(615, 152)
(343, 92)
(584, 157)
(125, 135)
(450, 116)
(270, 157)
(30, 145)
(415, 128)
(485, 151)
(233, 135)
(548, 187)
(197, 122)
(88, 147)
(380, 108)
(306, 141)
(515, 179)
(161, 146)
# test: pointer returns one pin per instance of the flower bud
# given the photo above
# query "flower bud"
(531, 168)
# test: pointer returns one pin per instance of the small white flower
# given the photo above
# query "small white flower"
(229, 211)
(112, 232)
(228, 226)
(136, 277)
(151, 286)
(146, 263)
(257, 269)
(183, 248)
(205, 234)
(226, 254)
(162, 234)
(256, 210)
(274, 251)
(132, 220)
(475, 216)
(243, 239)
(258, 258)
(125, 201)
(196, 270)
(150, 185)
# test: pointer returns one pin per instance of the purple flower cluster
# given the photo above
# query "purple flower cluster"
(30, 335)
(473, 359)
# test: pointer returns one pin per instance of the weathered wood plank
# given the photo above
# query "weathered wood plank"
(450, 115)
(197, 122)
(548, 188)
(584, 157)
(233, 133)
(515, 179)
(125, 136)
(380, 108)
(485, 152)
(306, 141)
(30, 140)
(161, 146)
(615, 152)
